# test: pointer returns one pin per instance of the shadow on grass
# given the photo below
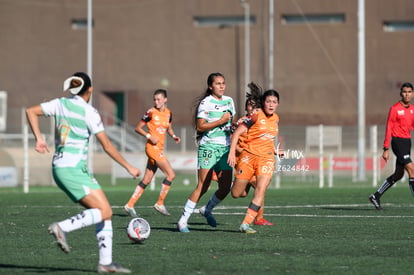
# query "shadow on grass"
(42, 269)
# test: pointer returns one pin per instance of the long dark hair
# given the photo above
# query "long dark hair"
(254, 96)
(257, 96)
(208, 92)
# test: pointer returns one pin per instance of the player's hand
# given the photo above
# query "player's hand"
(134, 172)
(226, 117)
(41, 147)
(231, 160)
(177, 139)
(153, 140)
(386, 155)
(280, 153)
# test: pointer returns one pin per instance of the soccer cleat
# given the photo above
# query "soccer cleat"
(130, 211)
(263, 221)
(112, 268)
(209, 217)
(375, 202)
(161, 209)
(245, 228)
(183, 228)
(60, 236)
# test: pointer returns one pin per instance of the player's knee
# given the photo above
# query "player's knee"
(235, 194)
(171, 176)
(106, 213)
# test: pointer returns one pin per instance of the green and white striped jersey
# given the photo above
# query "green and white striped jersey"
(75, 122)
(212, 109)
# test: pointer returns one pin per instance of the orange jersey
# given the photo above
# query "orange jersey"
(242, 138)
(157, 123)
(261, 133)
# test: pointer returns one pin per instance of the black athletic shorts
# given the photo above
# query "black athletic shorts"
(402, 149)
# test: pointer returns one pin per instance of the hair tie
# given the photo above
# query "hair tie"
(73, 90)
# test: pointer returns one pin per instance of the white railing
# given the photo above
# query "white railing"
(315, 163)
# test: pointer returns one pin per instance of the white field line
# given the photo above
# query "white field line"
(227, 210)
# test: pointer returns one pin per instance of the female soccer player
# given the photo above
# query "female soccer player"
(257, 158)
(249, 107)
(213, 121)
(400, 122)
(75, 121)
(158, 120)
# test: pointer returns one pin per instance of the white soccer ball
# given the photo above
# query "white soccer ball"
(138, 230)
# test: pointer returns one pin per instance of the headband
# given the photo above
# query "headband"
(73, 90)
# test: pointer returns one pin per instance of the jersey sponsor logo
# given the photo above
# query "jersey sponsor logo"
(400, 112)
(245, 159)
(267, 136)
(161, 130)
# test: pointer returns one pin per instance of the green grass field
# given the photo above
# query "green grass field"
(317, 231)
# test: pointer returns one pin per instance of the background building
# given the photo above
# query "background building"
(139, 46)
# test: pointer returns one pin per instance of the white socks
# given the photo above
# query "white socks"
(104, 237)
(81, 220)
(188, 210)
(103, 231)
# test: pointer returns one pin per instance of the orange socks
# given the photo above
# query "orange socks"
(165, 187)
(260, 214)
(251, 213)
(163, 193)
(137, 194)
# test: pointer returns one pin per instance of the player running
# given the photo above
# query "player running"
(75, 121)
(241, 146)
(158, 120)
(257, 158)
(249, 107)
(213, 121)
(400, 122)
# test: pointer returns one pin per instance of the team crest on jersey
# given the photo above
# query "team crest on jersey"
(206, 162)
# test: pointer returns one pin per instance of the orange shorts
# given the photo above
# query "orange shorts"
(154, 154)
(249, 165)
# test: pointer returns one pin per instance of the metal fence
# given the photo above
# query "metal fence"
(303, 162)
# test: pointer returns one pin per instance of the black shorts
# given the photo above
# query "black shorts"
(402, 149)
